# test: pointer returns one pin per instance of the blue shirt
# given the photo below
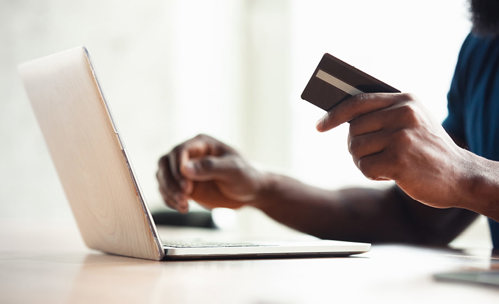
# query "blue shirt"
(473, 102)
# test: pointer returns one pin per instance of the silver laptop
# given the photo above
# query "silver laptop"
(97, 178)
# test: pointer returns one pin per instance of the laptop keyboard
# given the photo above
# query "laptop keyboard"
(201, 244)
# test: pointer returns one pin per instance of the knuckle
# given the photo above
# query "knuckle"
(356, 161)
(355, 126)
(237, 164)
(398, 161)
(409, 114)
(404, 97)
(368, 168)
(408, 96)
(169, 203)
(206, 164)
(362, 97)
(202, 136)
(352, 127)
(178, 148)
(402, 139)
(354, 146)
(163, 161)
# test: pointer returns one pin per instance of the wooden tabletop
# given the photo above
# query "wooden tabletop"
(46, 262)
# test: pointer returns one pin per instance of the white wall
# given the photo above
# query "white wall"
(231, 68)
(169, 69)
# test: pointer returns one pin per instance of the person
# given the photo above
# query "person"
(444, 174)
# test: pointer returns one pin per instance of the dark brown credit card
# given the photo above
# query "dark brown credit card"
(334, 81)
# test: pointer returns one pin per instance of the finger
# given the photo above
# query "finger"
(376, 166)
(167, 199)
(398, 116)
(171, 193)
(368, 123)
(203, 145)
(198, 146)
(174, 161)
(356, 106)
(215, 146)
(367, 144)
(166, 173)
(162, 190)
(210, 168)
(390, 118)
(188, 185)
(180, 205)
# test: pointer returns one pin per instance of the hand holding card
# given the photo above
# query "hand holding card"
(334, 81)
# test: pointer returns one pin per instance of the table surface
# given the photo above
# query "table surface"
(46, 262)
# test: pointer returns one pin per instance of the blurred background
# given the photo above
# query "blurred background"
(234, 69)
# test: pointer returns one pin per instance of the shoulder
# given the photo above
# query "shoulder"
(478, 47)
(476, 57)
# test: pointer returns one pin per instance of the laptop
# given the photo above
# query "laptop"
(97, 178)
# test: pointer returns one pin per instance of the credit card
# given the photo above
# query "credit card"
(334, 81)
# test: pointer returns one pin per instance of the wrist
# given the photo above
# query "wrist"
(266, 189)
(481, 180)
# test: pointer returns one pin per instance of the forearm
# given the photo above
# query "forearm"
(358, 214)
(349, 214)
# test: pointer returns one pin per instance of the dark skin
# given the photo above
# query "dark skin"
(440, 187)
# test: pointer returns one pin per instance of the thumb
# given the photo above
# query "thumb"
(208, 168)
